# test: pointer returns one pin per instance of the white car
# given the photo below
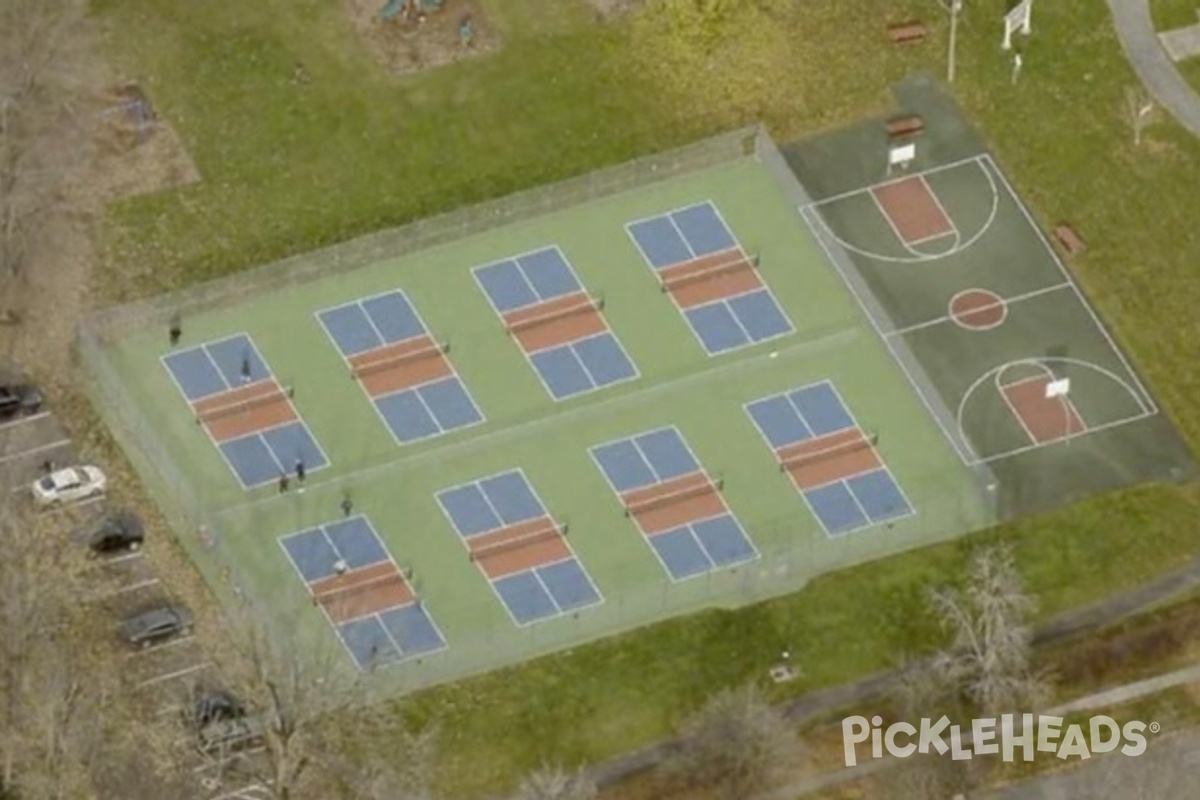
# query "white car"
(69, 485)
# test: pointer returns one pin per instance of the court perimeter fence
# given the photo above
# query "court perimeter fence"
(199, 528)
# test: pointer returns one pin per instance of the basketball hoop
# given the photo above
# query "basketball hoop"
(900, 156)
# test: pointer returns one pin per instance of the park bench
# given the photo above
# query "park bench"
(1069, 239)
(909, 125)
(908, 32)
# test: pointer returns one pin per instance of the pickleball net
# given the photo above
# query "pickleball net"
(735, 263)
(394, 361)
(805, 459)
(552, 530)
(678, 496)
(280, 395)
(585, 303)
(342, 596)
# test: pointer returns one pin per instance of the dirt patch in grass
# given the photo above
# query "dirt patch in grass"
(137, 152)
(426, 41)
(610, 9)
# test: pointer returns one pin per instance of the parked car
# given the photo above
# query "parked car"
(19, 400)
(69, 485)
(231, 735)
(111, 532)
(208, 705)
(156, 625)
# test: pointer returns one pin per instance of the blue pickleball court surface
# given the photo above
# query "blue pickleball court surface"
(379, 638)
(852, 502)
(493, 503)
(658, 458)
(680, 237)
(231, 366)
(417, 412)
(567, 369)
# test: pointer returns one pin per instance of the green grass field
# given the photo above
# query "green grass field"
(288, 169)
(679, 385)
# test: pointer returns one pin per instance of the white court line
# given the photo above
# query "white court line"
(1004, 301)
(173, 675)
(891, 223)
(35, 450)
(1148, 404)
(953, 229)
(900, 179)
(13, 423)
(1017, 415)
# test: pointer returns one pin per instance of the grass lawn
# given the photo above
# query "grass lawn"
(1170, 14)
(287, 168)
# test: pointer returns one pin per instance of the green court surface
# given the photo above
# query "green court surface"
(678, 385)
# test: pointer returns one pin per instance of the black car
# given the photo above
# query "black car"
(156, 625)
(19, 400)
(213, 705)
(116, 531)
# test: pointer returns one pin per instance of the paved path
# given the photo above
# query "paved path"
(1140, 42)
(1080, 620)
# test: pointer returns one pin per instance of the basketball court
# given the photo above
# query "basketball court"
(978, 309)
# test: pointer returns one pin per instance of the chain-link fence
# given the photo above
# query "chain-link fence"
(203, 528)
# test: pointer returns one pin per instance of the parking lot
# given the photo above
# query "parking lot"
(117, 586)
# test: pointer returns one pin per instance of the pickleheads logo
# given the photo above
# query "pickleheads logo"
(1006, 737)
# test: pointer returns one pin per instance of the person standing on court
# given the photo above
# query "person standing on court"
(300, 473)
(246, 368)
(347, 506)
(176, 330)
(283, 482)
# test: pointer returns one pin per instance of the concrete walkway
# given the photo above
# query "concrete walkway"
(1148, 58)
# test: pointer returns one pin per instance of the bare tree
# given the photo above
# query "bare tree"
(1138, 106)
(989, 656)
(556, 783)
(922, 694)
(57, 679)
(321, 724)
(44, 101)
(735, 745)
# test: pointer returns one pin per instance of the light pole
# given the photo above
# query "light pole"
(955, 7)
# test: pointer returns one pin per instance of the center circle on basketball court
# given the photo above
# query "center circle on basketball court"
(978, 309)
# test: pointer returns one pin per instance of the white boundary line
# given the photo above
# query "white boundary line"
(35, 450)
(18, 421)
(942, 209)
(1149, 403)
